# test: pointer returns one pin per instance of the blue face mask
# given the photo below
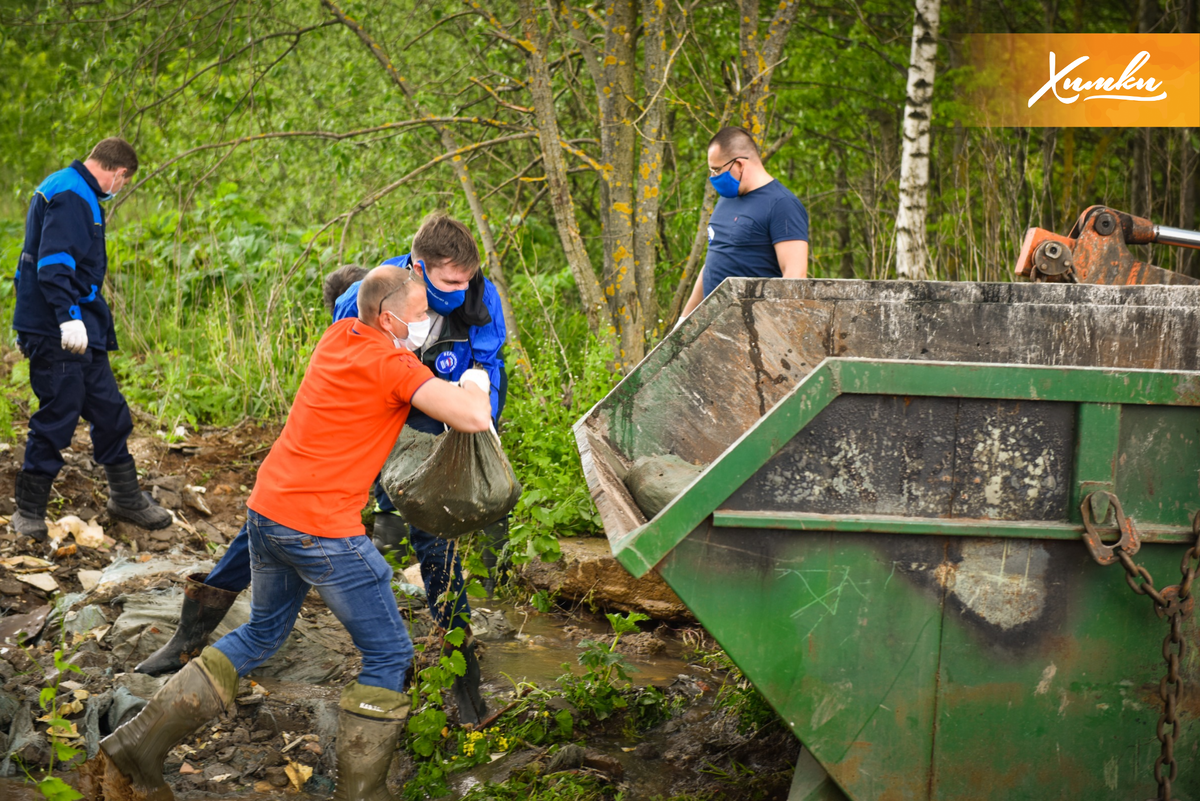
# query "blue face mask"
(725, 184)
(441, 301)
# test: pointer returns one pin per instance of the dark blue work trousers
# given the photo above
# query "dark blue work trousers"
(69, 386)
(441, 569)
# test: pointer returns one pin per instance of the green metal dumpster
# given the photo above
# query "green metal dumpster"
(887, 531)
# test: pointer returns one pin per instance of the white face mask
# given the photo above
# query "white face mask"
(110, 194)
(417, 333)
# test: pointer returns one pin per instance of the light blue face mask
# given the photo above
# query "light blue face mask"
(109, 195)
(725, 184)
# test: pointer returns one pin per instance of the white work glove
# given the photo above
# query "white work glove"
(477, 377)
(74, 336)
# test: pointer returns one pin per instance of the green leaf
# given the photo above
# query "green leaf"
(46, 697)
(63, 752)
(457, 663)
(566, 724)
(456, 636)
(476, 590)
(55, 789)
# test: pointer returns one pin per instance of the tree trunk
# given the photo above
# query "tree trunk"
(556, 172)
(912, 250)
(613, 93)
(760, 55)
(650, 161)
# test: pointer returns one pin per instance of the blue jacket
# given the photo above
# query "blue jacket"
(471, 336)
(63, 262)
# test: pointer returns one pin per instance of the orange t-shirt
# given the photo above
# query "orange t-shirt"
(347, 414)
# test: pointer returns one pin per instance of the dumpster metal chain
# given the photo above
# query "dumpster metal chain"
(1174, 603)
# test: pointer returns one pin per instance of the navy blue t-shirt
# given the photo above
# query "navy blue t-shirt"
(743, 231)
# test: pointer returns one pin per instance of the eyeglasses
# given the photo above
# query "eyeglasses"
(408, 276)
(713, 173)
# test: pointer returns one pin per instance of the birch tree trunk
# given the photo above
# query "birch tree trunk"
(912, 249)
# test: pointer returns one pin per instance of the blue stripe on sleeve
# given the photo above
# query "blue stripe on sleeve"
(57, 258)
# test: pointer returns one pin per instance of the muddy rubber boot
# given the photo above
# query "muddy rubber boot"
(390, 530)
(32, 494)
(471, 706)
(370, 721)
(204, 608)
(128, 766)
(127, 501)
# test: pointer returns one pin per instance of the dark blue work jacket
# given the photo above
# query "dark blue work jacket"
(63, 263)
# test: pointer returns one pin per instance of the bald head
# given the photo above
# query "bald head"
(388, 288)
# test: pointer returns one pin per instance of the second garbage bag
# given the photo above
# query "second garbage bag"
(450, 484)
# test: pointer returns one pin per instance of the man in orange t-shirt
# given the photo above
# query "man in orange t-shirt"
(305, 531)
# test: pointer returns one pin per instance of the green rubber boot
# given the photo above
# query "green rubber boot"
(370, 721)
(128, 766)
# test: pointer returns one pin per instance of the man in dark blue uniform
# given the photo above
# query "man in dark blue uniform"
(65, 329)
(466, 331)
(759, 228)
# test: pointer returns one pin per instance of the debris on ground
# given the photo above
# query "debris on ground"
(105, 595)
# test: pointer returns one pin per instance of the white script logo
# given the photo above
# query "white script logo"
(1125, 83)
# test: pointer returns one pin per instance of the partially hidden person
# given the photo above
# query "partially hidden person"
(65, 329)
(304, 529)
(758, 229)
(466, 329)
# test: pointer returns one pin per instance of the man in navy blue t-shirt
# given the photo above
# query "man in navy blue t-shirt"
(759, 229)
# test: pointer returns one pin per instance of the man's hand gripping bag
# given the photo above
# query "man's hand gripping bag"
(450, 484)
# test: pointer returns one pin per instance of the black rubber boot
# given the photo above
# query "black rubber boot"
(471, 706)
(32, 494)
(390, 530)
(370, 721)
(204, 608)
(130, 761)
(127, 501)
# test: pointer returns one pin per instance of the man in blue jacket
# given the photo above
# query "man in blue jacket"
(466, 330)
(65, 329)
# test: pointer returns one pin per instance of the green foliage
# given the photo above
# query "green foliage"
(529, 786)
(596, 693)
(738, 695)
(59, 731)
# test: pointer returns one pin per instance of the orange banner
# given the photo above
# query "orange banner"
(1107, 80)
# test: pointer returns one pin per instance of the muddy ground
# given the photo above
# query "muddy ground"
(106, 607)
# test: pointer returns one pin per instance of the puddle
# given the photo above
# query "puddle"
(539, 646)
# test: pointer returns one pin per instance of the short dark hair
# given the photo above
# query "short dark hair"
(114, 153)
(734, 141)
(338, 281)
(441, 240)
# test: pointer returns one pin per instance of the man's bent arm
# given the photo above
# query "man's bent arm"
(697, 295)
(793, 258)
(465, 408)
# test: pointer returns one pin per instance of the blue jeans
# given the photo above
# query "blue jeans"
(354, 581)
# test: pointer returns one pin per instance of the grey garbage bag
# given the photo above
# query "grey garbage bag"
(450, 484)
(655, 481)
